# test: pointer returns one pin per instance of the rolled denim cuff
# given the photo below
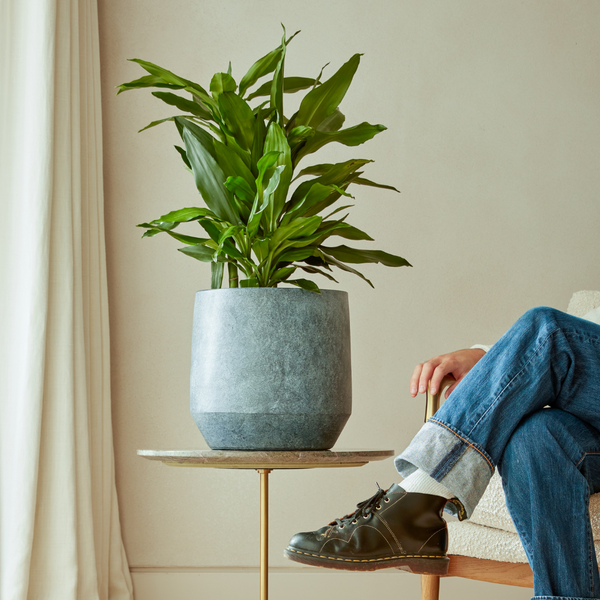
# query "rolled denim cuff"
(448, 456)
(559, 598)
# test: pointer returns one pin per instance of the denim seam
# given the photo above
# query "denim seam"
(525, 366)
(467, 442)
(585, 455)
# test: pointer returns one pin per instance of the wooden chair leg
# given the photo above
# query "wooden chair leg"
(430, 587)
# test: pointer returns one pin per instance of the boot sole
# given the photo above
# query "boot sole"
(413, 563)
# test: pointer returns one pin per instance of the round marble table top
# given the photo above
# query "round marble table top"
(266, 459)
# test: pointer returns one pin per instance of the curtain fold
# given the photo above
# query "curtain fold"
(60, 536)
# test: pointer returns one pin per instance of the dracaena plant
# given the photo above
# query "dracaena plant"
(244, 154)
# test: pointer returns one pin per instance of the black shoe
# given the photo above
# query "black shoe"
(394, 528)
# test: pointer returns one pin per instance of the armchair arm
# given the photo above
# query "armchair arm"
(434, 401)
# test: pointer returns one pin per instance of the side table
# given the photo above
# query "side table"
(264, 462)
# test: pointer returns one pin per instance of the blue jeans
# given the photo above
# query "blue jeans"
(531, 407)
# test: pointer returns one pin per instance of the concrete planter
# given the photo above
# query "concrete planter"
(271, 368)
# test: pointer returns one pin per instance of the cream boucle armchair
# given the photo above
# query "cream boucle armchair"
(487, 547)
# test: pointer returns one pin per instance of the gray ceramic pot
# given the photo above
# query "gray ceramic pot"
(271, 368)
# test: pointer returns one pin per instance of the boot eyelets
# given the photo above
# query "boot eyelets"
(341, 527)
(386, 499)
(354, 522)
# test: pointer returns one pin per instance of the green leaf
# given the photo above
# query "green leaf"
(221, 83)
(300, 134)
(184, 215)
(170, 78)
(200, 134)
(277, 85)
(291, 85)
(216, 275)
(295, 254)
(209, 178)
(200, 252)
(147, 81)
(187, 239)
(183, 104)
(281, 275)
(355, 255)
(251, 282)
(315, 271)
(241, 189)
(231, 164)
(267, 200)
(155, 123)
(183, 157)
(343, 230)
(277, 142)
(263, 66)
(340, 265)
(333, 122)
(305, 284)
(321, 102)
(315, 195)
(362, 181)
(353, 136)
(298, 228)
(331, 174)
(238, 117)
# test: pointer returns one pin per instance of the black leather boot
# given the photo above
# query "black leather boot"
(394, 528)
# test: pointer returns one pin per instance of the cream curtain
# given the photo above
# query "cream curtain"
(59, 522)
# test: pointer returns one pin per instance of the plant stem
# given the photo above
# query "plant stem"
(233, 274)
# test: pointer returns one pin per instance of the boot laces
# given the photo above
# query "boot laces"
(363, 509)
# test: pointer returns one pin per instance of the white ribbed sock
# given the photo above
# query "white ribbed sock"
(422, 483)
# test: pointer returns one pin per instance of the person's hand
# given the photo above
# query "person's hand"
(457, 364)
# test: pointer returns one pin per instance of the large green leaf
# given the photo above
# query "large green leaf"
(333, 122)
(315, 194)
(241, 189)
(341, 229)
(216, 275)
(299, 135)
(298, 228)
(209, 178)
(277, 85)
(148, 81)
(340, 265)
(355, 255)
(305, 284)
(353, 136)
(184, 215)
(238, 117)
(232, 165)
(200, 252)
(169, 77)
(263, 66)
(339, 174)
(183, 104)
(321, 102)
(207, 140)
(363, 181)
(291, 85)
(221, 83)
(277, 142)
(260, 206)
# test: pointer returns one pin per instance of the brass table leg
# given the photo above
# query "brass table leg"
(264, 533)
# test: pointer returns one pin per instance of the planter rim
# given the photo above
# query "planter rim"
(269, 290)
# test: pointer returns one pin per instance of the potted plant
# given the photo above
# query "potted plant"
(270, 366)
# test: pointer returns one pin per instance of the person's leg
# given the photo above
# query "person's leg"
(546, 358)
(550, 466)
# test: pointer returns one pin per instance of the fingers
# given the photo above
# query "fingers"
(422, 375)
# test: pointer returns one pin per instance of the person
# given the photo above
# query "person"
(530, 407)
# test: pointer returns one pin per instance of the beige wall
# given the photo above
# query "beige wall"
(494, 140)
